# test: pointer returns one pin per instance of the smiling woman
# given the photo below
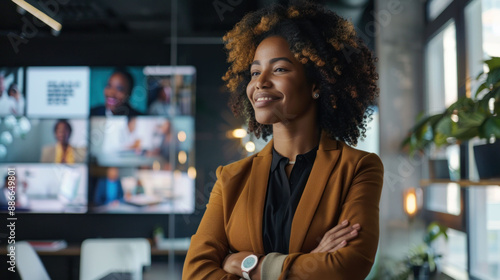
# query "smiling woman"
(306, 206)
(117, 93)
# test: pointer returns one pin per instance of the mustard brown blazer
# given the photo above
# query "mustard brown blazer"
(344, 183)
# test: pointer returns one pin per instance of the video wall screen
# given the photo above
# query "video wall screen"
(98, 139)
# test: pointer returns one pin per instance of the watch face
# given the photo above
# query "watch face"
(249, 262)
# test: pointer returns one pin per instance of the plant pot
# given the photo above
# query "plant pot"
(439, 169)
(487, 160)
(421, 272)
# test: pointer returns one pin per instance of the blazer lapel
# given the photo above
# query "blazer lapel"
(257, 189)
(326, 158)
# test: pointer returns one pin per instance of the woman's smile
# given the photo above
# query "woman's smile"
(263, 99)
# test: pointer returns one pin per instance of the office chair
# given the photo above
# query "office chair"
(103, 257)
(28, 263)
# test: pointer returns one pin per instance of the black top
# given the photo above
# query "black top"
(282, 198)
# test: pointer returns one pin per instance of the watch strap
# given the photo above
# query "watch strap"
(246, 276)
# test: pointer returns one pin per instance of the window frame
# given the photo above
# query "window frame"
(456, 12)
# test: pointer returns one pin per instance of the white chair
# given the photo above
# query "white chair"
(28, 263)
(100, 257)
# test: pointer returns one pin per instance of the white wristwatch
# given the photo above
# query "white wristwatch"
(248, 264)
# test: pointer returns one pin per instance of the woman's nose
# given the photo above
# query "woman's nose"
(263, 81)
(110, 92)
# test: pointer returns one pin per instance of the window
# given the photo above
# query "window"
(455, 252)
(441, 69)
(485, 232)
(482, 24)
(460, 35)
(490, 15)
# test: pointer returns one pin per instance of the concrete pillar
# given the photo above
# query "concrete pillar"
(399, 48)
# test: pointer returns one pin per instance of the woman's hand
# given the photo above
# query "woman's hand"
(337, 237)
(232, 264)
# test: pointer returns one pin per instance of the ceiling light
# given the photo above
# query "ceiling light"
(39, 14)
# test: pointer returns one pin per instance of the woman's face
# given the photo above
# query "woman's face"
(116, 91)
(278, 89)
(113, 173)
(14, 92)
(165, 94)
(132, 124)
(62, 133)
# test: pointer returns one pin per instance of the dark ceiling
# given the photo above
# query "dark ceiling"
(196, 18)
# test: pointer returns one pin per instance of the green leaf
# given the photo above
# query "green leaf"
(425, 121)
(444, 126)
(493, 77)
(479, 75)
(434, 119)
(484, 102)
(496, 109)
(468, 125)
(440, 139)
(490, 127)
(466, 134)
(495, 92)
(463, 103)
(432, 263)
(493, 63)
(434, 230)
(406, 142)
(470, 119)
(482, 87)
(422, 133)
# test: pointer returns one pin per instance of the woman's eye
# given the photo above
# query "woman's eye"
(255, 73)
(280, 70)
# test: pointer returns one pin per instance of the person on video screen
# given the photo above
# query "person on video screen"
(4, 98)
(109, 190)
(161, 105)
(129, 135)
(21, 199)
(117, 94)
(16, 100)
(62, 151)
(166, 141)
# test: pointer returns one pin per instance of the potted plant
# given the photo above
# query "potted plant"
(487, 155)
(465, 119)
(158, 234)
(420, 260)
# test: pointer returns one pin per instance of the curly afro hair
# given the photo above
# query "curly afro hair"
(334, 58)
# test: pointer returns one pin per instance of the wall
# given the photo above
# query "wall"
(400, 26)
